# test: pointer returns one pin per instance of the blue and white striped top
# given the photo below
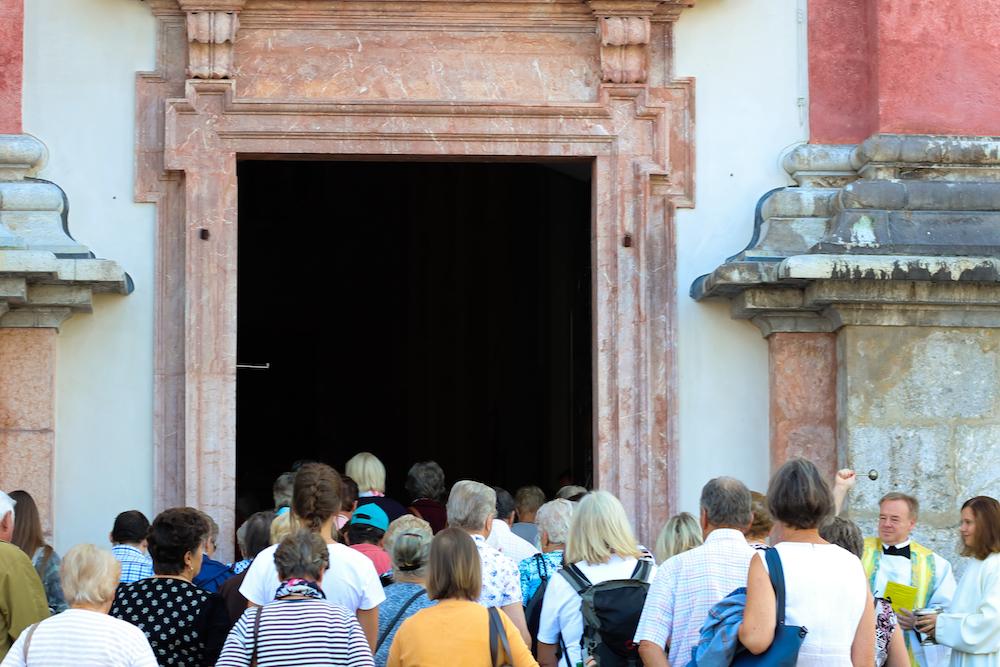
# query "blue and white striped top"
(298, 632)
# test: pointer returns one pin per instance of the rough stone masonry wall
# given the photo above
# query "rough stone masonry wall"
(922, 406)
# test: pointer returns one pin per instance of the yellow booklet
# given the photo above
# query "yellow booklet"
(900, 596)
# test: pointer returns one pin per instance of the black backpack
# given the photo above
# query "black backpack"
(611, 611)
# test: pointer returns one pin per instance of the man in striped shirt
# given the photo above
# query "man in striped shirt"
(688, 585)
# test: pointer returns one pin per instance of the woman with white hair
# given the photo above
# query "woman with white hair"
(369, 474)
(471, 507)
(408, 543)
(84, 634)
(553, 521)
(601, 547)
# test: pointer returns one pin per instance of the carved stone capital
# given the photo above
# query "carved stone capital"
(211, 32)
(624, 48)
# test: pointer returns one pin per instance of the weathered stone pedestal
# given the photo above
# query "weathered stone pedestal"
(890, 249)
(45, 277)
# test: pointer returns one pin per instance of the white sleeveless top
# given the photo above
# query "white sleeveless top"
(826, 592)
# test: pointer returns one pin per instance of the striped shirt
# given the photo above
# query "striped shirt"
(687, 586)
(92, 639)
(298, 632)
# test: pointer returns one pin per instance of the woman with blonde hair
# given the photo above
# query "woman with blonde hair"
(351, 581)
(601, 547)
(369, 474)
(682, 533)
(84, 634)
(457, 630)
(408, 543)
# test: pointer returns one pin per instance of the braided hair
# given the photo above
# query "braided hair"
(316, 494)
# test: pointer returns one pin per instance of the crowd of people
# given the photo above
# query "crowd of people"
(340, 574)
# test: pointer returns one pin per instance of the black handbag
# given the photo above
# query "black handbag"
(784, 650)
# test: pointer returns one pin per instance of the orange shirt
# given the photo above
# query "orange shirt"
(454, 632)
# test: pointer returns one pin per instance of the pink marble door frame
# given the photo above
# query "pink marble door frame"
(191, 132)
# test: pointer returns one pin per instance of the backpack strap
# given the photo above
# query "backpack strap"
(777, 574)
(642, 570)
(395, 620)
(256, 634)
(576, 579)
(496, 628)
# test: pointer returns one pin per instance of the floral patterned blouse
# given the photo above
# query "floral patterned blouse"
(885, 621)
(501, 579)
(185, 625)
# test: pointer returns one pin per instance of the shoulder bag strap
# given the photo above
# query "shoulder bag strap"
(256, 634)
(415, 512)
(398, 616)
(496, 628)
(27, 640)
(493, 638)
(777, 574)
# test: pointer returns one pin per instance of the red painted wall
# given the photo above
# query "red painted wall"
(11, 64)
(906, 66)
(842, 71)
(939, 67)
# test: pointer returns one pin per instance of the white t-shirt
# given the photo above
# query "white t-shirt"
(351, 580)
(561, 605)
(827, 593)
(83, 638)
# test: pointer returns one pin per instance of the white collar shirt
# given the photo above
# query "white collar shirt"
(504, 540)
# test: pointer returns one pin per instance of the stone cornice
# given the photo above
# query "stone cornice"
(45, 274)
(910, 237)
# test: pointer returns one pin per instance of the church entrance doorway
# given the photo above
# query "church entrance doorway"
(432, 311)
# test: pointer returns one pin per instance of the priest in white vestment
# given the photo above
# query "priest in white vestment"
(893, 557)
(972, 627)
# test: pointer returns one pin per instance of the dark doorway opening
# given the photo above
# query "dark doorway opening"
(417, 310)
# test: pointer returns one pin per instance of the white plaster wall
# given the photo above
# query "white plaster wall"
(79, 91)
(80, 64)
(747, 58)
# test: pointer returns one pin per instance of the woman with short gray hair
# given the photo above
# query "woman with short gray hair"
(472, 507)
(408, 543)
(425, 483)
(826, 589)
(300, 627)
(553, 520)
(84, 634)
